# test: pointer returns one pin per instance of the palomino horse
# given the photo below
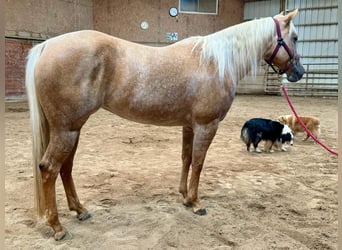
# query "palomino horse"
(190, 83)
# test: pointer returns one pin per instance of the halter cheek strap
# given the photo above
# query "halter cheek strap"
(281, 43)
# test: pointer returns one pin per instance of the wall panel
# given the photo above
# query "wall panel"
(258, 84)
(41, 19)
(317, 26)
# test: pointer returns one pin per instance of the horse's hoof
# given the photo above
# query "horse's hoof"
(83, 217)
(63, 235)
(187, 204)
(201, 211)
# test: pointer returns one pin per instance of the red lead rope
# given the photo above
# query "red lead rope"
(303, 125)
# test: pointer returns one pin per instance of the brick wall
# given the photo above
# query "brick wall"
(30, 21)
(15, 59)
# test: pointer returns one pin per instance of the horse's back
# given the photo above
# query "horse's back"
(80, 72)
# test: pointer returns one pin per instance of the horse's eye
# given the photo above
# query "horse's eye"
(295, 38)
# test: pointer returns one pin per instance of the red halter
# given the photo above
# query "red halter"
(281, 43)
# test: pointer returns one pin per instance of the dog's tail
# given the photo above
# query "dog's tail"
(314, 125)
(318, 127)
(317, 122)
(245, 135)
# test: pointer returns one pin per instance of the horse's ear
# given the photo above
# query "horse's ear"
(289, 17)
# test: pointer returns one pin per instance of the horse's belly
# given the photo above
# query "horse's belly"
(163, 113)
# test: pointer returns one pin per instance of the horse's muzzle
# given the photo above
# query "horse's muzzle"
(297, 73)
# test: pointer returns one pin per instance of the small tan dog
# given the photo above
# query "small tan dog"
(312, 124)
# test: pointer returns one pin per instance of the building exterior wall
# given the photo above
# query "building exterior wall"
(122, 18)
(15, 56)
(28, 22)
(41, 19)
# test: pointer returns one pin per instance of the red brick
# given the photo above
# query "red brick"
(16, 51)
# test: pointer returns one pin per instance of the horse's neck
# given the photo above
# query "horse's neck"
(248, 41)
(255, 46)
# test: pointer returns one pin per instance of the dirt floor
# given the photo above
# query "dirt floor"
(127, 175)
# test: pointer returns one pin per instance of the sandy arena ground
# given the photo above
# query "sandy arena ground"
(127, 175)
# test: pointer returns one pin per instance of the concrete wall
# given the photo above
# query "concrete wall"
(41, 19)
(122, 18)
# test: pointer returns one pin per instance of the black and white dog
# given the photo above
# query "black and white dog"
(273, 132)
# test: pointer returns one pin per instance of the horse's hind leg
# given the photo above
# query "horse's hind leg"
(60, 147)
(188, 136)
(203, 136)
(69, 186)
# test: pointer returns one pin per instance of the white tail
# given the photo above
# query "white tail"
(40, 133)
(244, 135)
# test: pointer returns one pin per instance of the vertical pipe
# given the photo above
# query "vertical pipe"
(282, 6)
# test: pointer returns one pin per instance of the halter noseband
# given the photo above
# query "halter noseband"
(281, 43)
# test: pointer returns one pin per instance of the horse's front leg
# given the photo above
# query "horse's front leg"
(188, 136)
(203, 136)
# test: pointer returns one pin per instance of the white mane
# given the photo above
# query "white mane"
(237, 49)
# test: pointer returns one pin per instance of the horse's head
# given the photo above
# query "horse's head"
(282, 55)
